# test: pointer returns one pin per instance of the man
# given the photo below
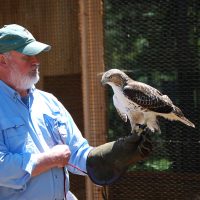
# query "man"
(39, 141)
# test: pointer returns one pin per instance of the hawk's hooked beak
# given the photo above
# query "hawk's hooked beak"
(103, 81)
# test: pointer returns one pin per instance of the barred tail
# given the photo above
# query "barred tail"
(180, 117)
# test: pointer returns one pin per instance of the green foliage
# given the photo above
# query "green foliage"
(161, 164)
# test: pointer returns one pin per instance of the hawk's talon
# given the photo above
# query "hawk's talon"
(145, 146)
(140, 151)
(142, 126)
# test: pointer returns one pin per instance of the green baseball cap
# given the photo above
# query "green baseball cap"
(17, 38)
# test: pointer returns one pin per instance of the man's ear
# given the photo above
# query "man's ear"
(2, 60)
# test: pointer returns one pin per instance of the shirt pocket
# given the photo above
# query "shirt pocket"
(56, 127)
(15, 134)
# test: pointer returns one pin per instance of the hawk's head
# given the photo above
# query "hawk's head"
(114, 77)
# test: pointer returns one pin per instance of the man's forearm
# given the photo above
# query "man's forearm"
(58, 156)
(44, 163)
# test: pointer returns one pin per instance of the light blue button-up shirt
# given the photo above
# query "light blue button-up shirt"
(25, 131)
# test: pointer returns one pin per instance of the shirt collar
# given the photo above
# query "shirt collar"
(11, 92)
(31, 90)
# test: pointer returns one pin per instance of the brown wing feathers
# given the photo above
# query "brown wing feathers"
(147, 97)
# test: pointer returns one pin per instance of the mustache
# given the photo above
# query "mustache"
(35, 65)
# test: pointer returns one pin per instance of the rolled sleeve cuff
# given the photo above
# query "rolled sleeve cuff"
(85, 158)
(29, 162)
(79, 165)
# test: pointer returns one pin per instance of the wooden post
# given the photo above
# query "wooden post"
(91, 28)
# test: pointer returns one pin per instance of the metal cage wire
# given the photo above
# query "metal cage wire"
(157, 42)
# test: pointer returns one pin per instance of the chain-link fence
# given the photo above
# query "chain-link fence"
(157, 42)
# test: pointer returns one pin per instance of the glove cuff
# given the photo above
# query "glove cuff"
(105, 175)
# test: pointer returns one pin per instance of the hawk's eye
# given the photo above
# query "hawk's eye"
(111, 77)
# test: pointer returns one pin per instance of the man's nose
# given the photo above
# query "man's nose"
(34, 60)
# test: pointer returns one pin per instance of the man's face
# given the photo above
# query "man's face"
(23, 70)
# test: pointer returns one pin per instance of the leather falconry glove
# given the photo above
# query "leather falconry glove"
(108, 162)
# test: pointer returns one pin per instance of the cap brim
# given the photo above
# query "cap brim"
(34, 48)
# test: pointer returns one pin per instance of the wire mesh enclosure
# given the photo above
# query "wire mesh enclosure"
(157, 42)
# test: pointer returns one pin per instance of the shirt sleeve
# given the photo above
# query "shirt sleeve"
(79, 148)
(15, 169)
(78, 145)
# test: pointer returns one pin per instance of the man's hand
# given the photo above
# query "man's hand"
(107, 162)
(58, 156)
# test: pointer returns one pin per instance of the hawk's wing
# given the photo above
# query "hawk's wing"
(147, 97)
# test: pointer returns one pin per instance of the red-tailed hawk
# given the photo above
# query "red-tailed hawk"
(141, 103)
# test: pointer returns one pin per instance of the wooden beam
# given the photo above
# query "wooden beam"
(92, 62)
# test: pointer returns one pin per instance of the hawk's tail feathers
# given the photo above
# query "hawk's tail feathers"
(180, 117)
(186, 121)
(174, 117)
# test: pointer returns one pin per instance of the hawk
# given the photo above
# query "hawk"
(140, 103)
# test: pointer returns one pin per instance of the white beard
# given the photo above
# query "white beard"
(23, 82)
